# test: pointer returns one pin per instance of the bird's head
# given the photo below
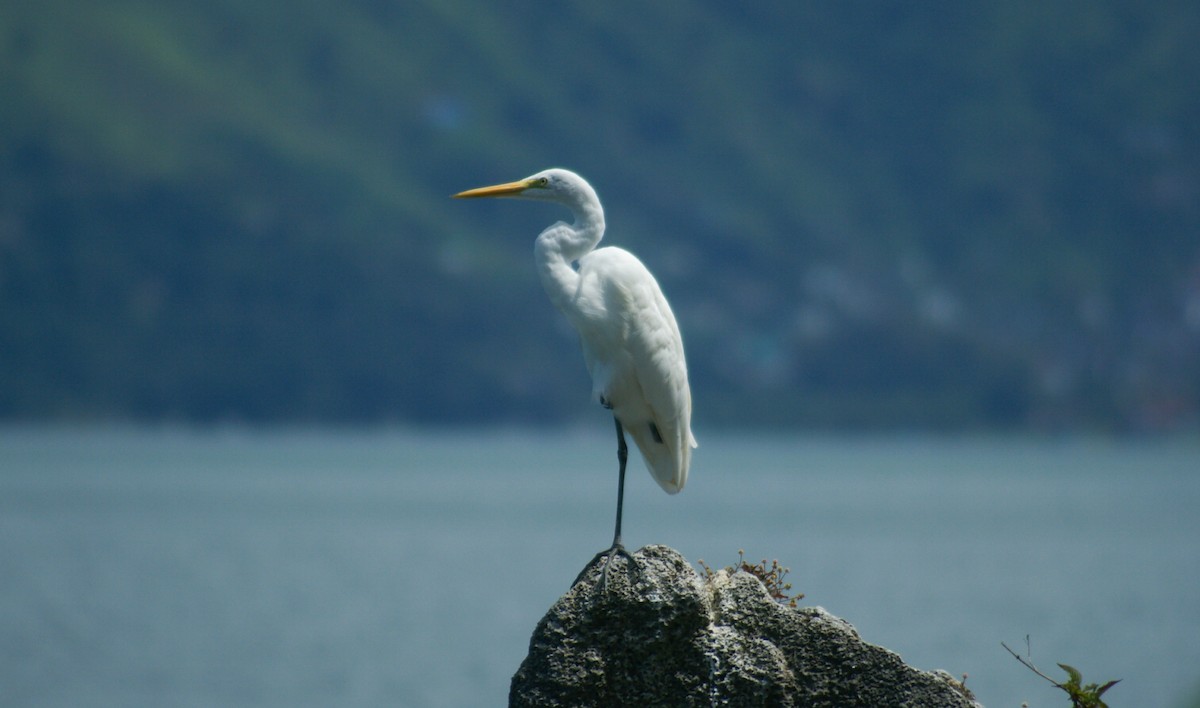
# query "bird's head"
(554, 185)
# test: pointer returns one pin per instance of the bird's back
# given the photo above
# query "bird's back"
(634, 353)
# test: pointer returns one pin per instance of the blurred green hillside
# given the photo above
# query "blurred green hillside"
(946, 216)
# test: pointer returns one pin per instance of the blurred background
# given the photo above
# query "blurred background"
(953, 217)
(925, 222)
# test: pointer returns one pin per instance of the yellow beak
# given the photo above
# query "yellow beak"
(497, 190)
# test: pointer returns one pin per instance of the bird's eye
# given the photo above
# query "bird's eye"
(543, 181)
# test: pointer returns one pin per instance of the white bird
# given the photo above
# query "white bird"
(631, 342)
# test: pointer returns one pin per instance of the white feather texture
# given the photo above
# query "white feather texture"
(631, 342)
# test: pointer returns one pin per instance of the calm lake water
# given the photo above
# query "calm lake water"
(397, 568)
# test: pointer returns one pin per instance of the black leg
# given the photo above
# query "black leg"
(622, 457)
(617, 548)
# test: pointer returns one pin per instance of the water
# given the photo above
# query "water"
(391, 568)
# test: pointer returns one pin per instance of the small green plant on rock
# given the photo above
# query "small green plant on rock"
(1082, 696)
(771, 576)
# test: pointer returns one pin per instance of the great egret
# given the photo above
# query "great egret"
(630, 339)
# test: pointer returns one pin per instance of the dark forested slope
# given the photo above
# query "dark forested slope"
(915, 216)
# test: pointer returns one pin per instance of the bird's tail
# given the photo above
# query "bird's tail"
(668, 454)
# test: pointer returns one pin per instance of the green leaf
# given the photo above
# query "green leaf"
(1107, 686)
(1076, 677)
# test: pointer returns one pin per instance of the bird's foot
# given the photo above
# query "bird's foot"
(608, 555)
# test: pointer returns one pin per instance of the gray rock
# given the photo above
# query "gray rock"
(661, 635)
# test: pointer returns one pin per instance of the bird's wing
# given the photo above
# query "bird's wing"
(655, 349)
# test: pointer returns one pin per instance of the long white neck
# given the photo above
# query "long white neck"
(561, 244)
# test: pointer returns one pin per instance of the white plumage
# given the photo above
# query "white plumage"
(634, 353)
(631, 342)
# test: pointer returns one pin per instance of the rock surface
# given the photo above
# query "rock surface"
(661, 635)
